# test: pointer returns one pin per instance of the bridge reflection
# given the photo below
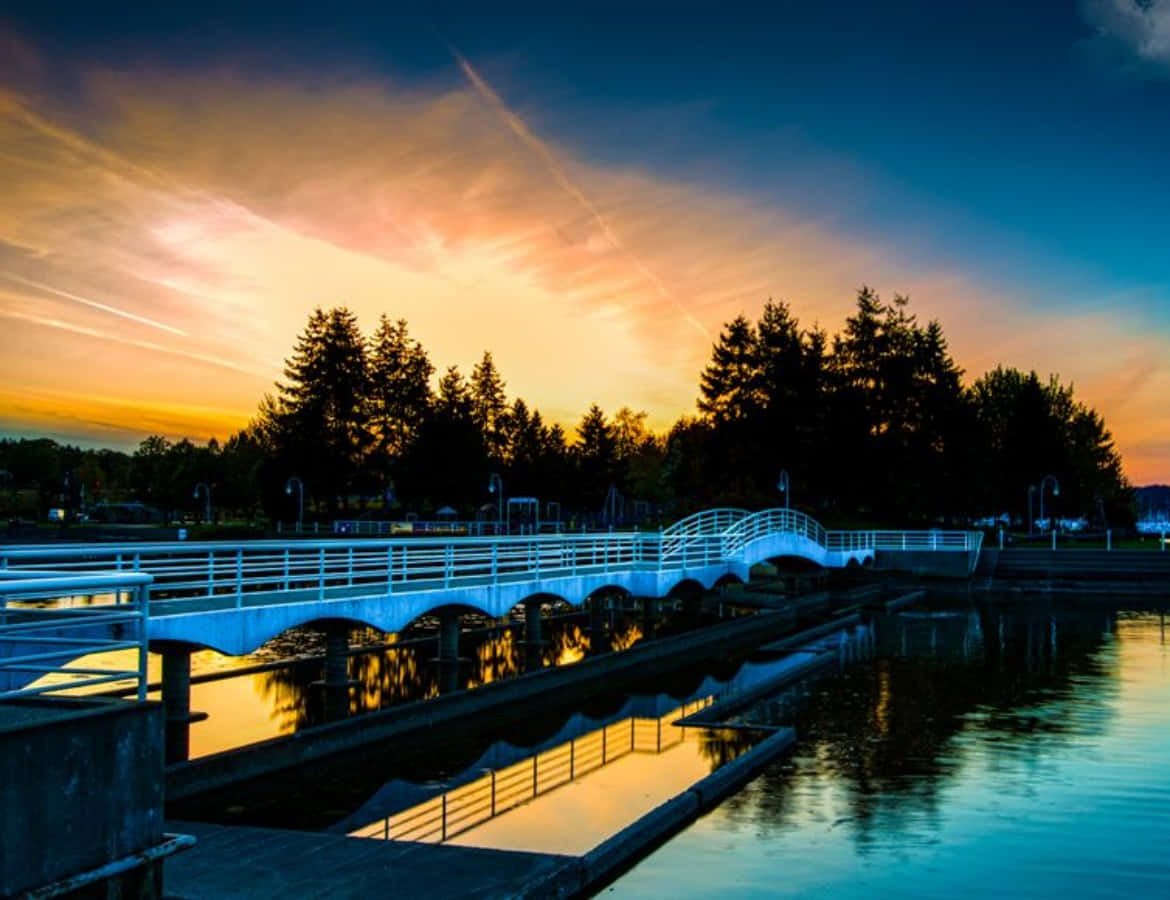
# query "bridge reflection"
(486, 803)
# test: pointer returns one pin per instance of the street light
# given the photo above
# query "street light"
(288, 489)
(206, 499)
(496, 486)
(782, 486)
(1055, 490)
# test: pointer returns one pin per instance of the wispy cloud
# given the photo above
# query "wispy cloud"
(1141, 27)
(216, 210)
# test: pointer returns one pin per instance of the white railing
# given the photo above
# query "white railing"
(39, 634)
(770, 521)
(219, 574)
(905, 540)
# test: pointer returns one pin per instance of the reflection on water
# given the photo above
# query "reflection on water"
(1016, 749)
(350, 794)
(497, 807)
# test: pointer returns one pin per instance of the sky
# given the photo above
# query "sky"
(589, 194)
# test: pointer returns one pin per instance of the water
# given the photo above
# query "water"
(264, 694)
(1018, 750)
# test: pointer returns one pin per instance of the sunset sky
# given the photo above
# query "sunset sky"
(588, 194)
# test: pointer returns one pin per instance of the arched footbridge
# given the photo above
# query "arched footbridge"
(233, 597)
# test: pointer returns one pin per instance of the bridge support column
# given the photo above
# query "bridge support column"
(598, 639)
(335, 680)
(176, 698)
(533, 635)
(650, 607)
(448, 659)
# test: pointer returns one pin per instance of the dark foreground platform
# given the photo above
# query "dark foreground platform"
(254, 863)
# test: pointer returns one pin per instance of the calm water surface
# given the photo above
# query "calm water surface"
(1014, 749)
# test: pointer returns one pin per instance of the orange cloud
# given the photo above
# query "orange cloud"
(224, 208)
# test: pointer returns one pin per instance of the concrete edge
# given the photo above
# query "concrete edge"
(904, 601)
(171, 844)
(793, 641)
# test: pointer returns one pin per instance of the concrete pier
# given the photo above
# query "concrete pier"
(598, 636)
(650, 607)
(176, 698)
(533, 634)
(336, 683)
(448, 658)
(337, 657)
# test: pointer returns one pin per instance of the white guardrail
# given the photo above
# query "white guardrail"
(49, 618)
(222, 574)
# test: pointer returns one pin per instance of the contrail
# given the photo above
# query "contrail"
(540, 148)
(48, 322)
(113, 310)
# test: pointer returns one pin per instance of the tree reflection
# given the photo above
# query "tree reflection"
(1005, 684)
(720, 746)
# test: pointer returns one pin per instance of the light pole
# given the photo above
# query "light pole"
(1055, 491)
(206, 499)
(782, 485)
(288, 489)
(496, 486)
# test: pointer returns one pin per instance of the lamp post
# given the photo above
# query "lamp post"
(1055, 490)
(288, 489)
(206, 499)
(782, 485)
(496, 486)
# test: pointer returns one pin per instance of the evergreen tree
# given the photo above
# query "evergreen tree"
(320, 417)
(729, 387)
(489, 405)
(400, 391)
(596, 457)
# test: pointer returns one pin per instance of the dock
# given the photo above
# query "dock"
(231, 861)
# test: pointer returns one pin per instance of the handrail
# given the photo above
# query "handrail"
(220, 574)
(37, 640)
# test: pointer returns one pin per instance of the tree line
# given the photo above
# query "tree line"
(871, 425)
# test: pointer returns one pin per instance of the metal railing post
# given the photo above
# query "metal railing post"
(320, 573)
(286, 569)
(349, 568)
(210, 572)
(389, 566)
(495, 580)
(239, 577)
(1053, 538)
(143, 638)
(1108, 540)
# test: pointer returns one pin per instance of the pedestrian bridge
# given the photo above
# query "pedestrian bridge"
(233, 597)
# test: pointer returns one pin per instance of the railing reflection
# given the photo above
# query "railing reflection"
(460, 809)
